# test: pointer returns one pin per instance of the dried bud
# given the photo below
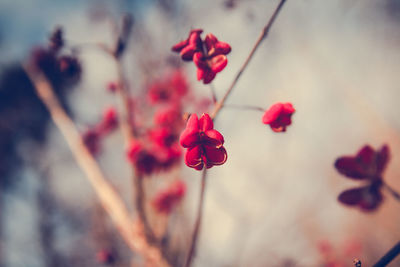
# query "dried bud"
(56, 40)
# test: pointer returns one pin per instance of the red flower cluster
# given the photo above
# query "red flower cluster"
(204, 144)
(167, 199)
(279, 116)
(208, 55)
(157, 148)
(368, 165)
(92, 137)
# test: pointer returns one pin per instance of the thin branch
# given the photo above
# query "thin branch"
(389, 256)
(193, 242)
(128, 129)
(263, 35)
(248, 107)
(393, 192)
(109, 198)
(213, 94)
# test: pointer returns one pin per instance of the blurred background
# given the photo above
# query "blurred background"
(274, 202)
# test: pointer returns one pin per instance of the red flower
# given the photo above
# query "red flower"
(168, 198)
(278, 116)
(189, 46)
(163, 137)
(367, 165)
(170, 116)
(112, 87)
(171, 88)
(204, 144)
(109, 121)
(208, 55)
(144, 161)
(91, 139)
(213, 61)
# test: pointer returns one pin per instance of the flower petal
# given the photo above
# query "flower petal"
(205, 123)
(215, 156)
(208, 76)
(188, 52)
(218, 63)
(350, 167)
(222, 48)
(179, 46)
(193, 157)
(352, 196)
(210, 41)
(272, 113)
(213, 138)
(198, 59)
(190, 135)
(366, 155)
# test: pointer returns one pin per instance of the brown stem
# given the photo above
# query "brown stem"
(389, 256)
(109, 198)
(263, 35)
(394, 193)
(127, 124)
(244, 107)
(193, 242)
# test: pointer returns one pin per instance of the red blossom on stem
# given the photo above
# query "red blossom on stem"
(208, 55)
(279, 116)
(167, 199)
(143, 159)
(109, 121)
(92, 136)
(170, 89)
(367, 165)
(204, 144)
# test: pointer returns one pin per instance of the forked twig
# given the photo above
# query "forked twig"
(263, 35)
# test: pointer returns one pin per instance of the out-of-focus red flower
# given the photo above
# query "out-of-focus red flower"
(109, 121)
(188, 47)
(170, 116)
(91, 139)
(168, 156)
(163, 136)
(179, 82)
(367, 165)
(167, 199)
(170, 89)
(143, 159)
(112, 87)
(213, 60)
(204, 144)
(279, 116)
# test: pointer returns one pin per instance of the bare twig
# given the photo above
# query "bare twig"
(128, 129)
(263, 35)
(394, 193)
(389, 256)
(193, 242)
(248, 107)
(109, 198)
